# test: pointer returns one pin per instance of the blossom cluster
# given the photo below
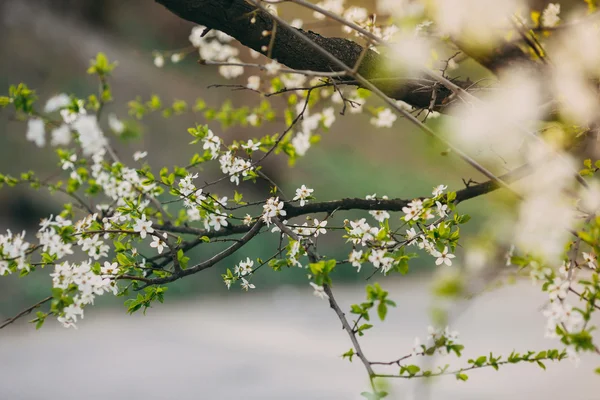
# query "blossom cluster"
(441, 340)
(87, 284)
(74, 119)
(271, 209)
(214, 45)
(381, 246)
(13, 248)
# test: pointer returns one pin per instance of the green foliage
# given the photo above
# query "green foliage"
(22, 98)
(145, 300)
(101, 66)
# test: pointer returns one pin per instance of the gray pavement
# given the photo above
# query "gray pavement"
(279, 345)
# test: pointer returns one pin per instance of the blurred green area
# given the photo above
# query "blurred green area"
(51, 55)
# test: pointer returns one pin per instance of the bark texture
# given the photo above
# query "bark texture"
(233, 17)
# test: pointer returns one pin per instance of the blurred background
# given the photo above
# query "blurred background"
(278, 341)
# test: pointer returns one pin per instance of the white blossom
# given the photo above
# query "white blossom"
(442, 209)
(301, 142)
(302, 194)
(246, 285)
(335, 6)
(61, 136)
(57, 102)
(443, 257)
(590, 259)
(36, 132)
(138, 155)
(380, 215)
(356, 259)
(231, 71)
(159, 60)
(273, 67)
(115, 124)
(253, 82)
(143, 226)
(91, 137)
(550, 16)
(158, 243)
(319, 291)
(384, 119)
(271, 209)
(439, 190)
(244, 267)
(217, 221)
(558, 289)
(319, 227)
(250, 145)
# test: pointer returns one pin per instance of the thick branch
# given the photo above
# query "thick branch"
(233, 17)
(470, 192)
(208, 263)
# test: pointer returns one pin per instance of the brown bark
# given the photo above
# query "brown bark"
(233, 17)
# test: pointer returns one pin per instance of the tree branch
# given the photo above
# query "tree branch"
(314, 257)
(25, 312)
(208, 263)
(346, 204)
(233, 17)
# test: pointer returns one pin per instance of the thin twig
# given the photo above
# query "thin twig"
(25, 312)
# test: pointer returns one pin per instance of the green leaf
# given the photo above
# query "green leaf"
(541, 364)
(123, 259)
(101, 66)
(350, 353)
(374, 396)
(462, 377)
(480, 361)
(182, 258)
(316, 268)
(382, 310)
(362, 328)
(413, 370)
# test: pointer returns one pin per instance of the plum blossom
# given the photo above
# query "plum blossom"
(143, 226)
(273, 67)
(244, 267)
(439, 190)
(302, 194)
(319, 291)
(356, 259)
(158, 243)
(443, 257)
(384, 119)
(550, 16)
(61, 136)
(271, 209)
(91, 137)
(558, 289)
(36, 132)
(217, 221)
(57, 102)
(253, 82)
(246, 285)
(138, 155)
(115, 124)
(590, 259)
